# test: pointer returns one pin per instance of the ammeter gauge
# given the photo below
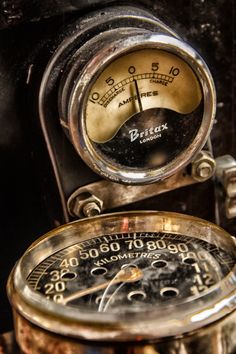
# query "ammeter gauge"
(137, 103)
(142, 282)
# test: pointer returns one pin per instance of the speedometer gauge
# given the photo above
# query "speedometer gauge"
(161, 266)
(126, 277)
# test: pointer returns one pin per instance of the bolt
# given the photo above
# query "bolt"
(86, 205)
(203, 167)
(230, 208)
(204, 170)
(91, 209)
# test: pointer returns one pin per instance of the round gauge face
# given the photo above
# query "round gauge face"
(130, 271)
(116, 275)
(144, 110)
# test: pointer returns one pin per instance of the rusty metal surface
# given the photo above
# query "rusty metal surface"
(115, 195)
(8, 344)
(221, 337)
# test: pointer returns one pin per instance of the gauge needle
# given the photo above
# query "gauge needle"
(126, 275)
(138, 96)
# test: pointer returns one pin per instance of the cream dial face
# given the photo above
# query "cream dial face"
(135, 82)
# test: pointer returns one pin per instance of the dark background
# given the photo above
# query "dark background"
(28, 194)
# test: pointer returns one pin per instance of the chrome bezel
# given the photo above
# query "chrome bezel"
(79, 97)
(184, 317)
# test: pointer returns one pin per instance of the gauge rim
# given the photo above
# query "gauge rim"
(37, 309)
(79, 97)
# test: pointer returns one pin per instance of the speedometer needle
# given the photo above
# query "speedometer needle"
(138, 96)
(127, 275)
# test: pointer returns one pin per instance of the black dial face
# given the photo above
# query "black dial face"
(129, 272)
(152, 138)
